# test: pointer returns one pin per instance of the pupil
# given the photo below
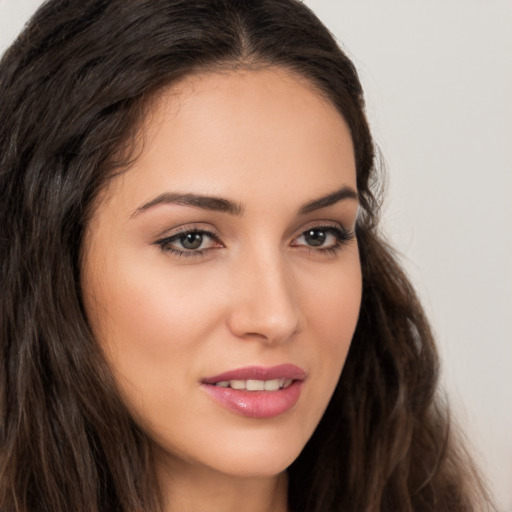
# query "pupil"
(315, 237)
(192, 240)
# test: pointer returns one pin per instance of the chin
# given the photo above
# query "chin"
(264, 463)
(249, 454)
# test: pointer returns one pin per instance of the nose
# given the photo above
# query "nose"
(264, 302)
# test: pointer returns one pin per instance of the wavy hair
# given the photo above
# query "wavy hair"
(74, 88)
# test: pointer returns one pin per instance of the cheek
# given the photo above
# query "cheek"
(152, 327)
(147, 318)
(336, 311)
(333, 302)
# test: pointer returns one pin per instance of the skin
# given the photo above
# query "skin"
(258, 293)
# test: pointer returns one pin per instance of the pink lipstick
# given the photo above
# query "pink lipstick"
(256, 391)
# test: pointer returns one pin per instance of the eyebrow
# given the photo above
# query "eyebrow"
(329, 200)
(216, 204)
(219, 204)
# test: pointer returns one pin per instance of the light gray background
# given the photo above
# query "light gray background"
(438, 81)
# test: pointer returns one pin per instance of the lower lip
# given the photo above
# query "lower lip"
(256, 404)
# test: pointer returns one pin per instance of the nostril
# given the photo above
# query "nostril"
(264, 306)
(264, 329)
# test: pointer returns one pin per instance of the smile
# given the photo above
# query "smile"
(255, 385)
(257, 392)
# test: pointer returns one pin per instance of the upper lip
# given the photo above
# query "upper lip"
(286, 371)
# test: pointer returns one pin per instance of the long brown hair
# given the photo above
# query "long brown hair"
(73, 90)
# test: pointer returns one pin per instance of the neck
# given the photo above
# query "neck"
(193, 488)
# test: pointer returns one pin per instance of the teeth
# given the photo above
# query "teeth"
(237, 384)
(272, 385)
(255, 385)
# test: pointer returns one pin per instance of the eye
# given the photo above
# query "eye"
(192, 242)
(316, 237)
(323, 238)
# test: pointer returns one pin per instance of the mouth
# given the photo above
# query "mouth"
(249, 375)
(255, 385)
(255, 391)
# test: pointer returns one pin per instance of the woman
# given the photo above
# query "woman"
(190, 260)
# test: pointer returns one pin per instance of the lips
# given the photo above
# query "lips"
(255, 391)
(284, 371)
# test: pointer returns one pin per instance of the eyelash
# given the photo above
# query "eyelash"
(342, 237)
(166, 243)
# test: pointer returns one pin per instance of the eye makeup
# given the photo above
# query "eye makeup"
(195, 241)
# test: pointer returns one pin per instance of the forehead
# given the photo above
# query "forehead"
(236, 132)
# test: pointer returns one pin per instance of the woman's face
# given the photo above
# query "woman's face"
(221, 275)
